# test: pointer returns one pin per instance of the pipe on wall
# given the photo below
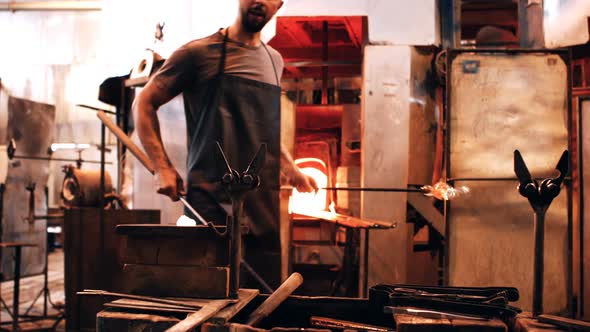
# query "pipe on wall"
(81, 5)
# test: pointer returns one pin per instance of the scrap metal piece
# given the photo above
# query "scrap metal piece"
(338, 324)
(433, 314)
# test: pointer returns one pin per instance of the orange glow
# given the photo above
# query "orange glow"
(310, 201)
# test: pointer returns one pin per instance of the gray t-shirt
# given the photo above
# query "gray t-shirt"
(196, 62)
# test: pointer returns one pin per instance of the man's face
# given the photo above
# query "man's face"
(255, 13)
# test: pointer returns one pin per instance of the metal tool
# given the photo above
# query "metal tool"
(500, 297)
(540, 197)
(338, 324)
(147, 163)
(441, 190)
(426, 313)
(236, 185)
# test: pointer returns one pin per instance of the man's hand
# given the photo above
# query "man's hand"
(302, 182)
(169, 183)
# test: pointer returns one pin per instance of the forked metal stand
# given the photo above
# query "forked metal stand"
(540, 197)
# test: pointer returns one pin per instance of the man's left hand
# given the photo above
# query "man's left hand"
(303, 182)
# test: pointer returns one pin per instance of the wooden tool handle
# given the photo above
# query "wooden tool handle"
(275, 299)
(132, 147)
(197, 318)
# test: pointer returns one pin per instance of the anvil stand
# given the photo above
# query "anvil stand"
(540, 197)
(236, 185)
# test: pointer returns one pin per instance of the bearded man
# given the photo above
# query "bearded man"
(230, 83)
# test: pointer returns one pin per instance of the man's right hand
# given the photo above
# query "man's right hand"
(169, 183)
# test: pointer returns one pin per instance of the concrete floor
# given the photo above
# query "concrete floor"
(30, 287)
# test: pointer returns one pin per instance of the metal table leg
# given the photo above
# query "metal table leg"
(365, 285)
(15, 300)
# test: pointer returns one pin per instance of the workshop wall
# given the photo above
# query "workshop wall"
(52, 59)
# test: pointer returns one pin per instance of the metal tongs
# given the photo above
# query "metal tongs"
(540, 197)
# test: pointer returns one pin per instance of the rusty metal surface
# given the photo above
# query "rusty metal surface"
(31, 124)
(511, 102)
(499, 103)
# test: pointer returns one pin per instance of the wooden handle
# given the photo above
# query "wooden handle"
(132, 147)
(275, 299)
(197, 318)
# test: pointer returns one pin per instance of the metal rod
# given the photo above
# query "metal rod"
(325, 58)
(96, 109)
(405, 190)
(79, 5)
(538, 262)
(59, 159)
(235, 248)
(322, 63)
(258, 278)
(496, 179)
(193, 211)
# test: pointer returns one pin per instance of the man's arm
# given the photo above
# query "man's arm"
(146, 105)
(302, 182)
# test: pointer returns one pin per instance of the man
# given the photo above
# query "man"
(231, 88)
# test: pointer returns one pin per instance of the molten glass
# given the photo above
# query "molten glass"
(444, 191)
(313, 201)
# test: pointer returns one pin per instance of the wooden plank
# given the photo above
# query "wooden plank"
(197, 318)
(176, 281)
(245, 296)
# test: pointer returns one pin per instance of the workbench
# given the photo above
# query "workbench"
(296, 313)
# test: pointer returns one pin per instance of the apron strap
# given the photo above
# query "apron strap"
(274, 68)
(221, 69)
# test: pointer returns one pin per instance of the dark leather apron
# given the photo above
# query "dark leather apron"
(240, 114)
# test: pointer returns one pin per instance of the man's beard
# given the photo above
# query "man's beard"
(252, 23)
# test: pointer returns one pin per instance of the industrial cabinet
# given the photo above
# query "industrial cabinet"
(497, 102)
